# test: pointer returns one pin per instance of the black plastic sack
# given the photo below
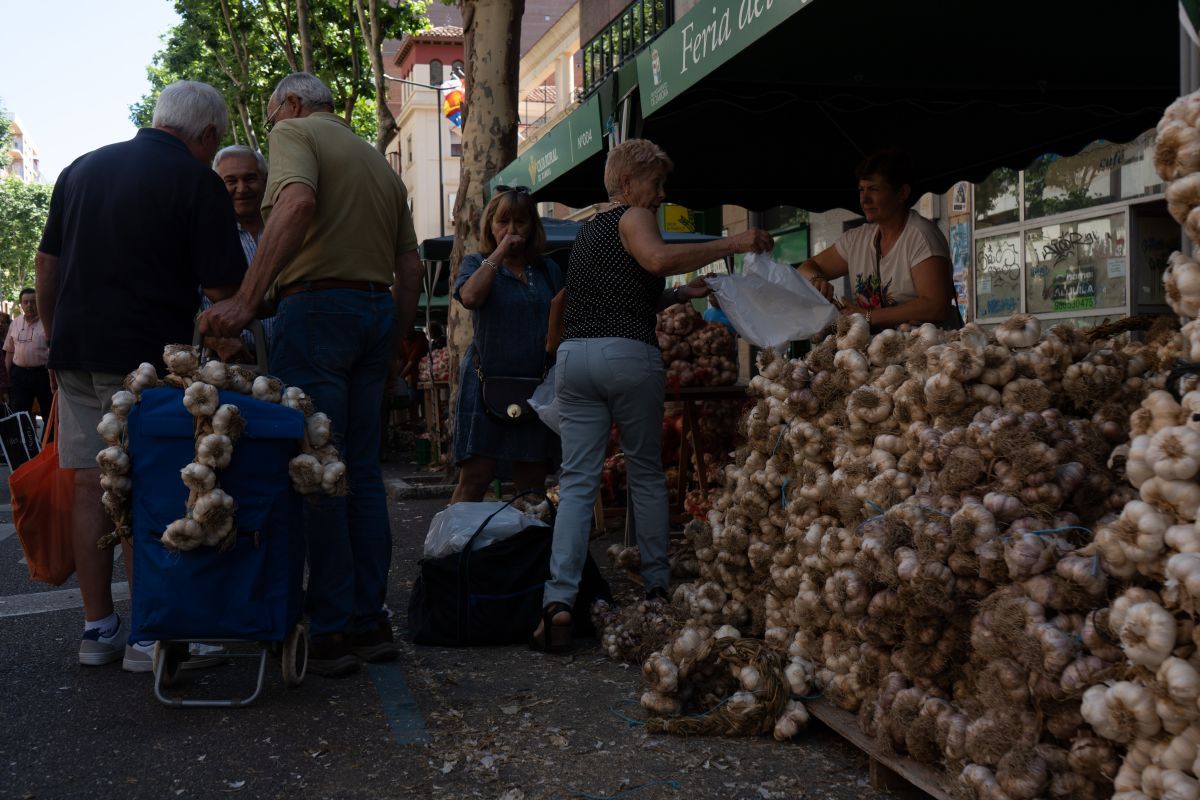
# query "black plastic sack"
(493, 595)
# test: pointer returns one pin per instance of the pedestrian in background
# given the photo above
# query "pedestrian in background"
(25, 355)
(338, 233)
(133, 228)
(508, 287)
(244, 173)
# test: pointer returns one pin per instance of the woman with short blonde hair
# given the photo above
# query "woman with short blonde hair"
(609, 369)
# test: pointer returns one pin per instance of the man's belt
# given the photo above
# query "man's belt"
(331, 283)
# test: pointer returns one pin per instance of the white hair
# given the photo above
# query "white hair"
(309, 88)
(189, 107)
(241, 150)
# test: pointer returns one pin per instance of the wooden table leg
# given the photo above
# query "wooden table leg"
(691, 431)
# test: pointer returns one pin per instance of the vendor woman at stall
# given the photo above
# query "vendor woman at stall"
(898, 262)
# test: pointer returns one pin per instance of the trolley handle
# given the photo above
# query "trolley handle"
(260, 343)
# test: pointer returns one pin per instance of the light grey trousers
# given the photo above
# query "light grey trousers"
(599, 382)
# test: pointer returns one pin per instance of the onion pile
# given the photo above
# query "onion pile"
(695, 352)
(211, 513)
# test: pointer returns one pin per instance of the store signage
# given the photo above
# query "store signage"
(702, 40)
(570, 142)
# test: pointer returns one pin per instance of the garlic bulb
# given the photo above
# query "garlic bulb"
(228, 421)
(1181, 279)
(793, 720)
(122, 403)
(319, 430)
(215, 373)
(113, 461)
(181, 359)
(1122, 712)
(1019, 330)
(267, 389)
(214, 450)
(200, 399)
(1148, 634)
(183, 534)
(142, 378)
(306, 473)
(111, 428)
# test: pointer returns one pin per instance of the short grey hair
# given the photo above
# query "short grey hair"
(189, 107)
(241, 150)
(309, 88)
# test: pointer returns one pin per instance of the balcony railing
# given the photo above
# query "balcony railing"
(622, 39)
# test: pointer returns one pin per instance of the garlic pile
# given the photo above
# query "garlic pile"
(910, 522)
(1153, 546)
(695, 352)
(211, 512)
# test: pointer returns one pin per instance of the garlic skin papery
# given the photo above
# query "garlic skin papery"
(1148, 634)
(200, 399)
(1019, 330)
(267, 389)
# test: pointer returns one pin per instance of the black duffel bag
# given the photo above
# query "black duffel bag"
(493, 595)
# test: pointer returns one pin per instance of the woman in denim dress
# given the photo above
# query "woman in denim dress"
(509, 294)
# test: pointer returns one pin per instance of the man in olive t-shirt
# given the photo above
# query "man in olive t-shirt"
(338, 234)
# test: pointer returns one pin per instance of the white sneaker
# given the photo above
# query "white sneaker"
(96, 650)
(139, 657)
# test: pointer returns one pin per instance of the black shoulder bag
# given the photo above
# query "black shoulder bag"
(506, 399)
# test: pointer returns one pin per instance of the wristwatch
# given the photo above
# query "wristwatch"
(675, 294)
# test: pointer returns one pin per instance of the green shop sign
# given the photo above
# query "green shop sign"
(570, 142)
(702, 40)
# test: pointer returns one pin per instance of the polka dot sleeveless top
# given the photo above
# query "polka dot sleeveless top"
(608, 292)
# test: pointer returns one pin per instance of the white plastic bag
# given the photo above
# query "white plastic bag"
(771, 304)
(544, 401)
(454, 525)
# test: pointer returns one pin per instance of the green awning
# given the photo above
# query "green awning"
(773, 102)
(568, 144)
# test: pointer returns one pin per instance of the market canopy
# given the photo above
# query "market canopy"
(773, 103)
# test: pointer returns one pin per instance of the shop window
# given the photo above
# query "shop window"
(435, 72)
(1102, 173)
(997, 276)
(996, 200)
(408, 148)
(1154, 235)
(455, 144)
(1076, 266)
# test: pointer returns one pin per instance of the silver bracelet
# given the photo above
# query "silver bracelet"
(487, 262)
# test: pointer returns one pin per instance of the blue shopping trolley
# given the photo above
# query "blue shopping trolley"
(252, 591)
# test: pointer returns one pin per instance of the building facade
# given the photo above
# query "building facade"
(26, 161)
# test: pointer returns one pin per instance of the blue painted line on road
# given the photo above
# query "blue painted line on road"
(403, 715)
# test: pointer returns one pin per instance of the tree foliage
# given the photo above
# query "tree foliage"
(243, 48)
(23, 209)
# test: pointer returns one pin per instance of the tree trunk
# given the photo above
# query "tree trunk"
(356, 64)
(306, 47)
(368, 21)
(247, 125)
(491, 43)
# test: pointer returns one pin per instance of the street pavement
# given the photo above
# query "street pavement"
(502, 723)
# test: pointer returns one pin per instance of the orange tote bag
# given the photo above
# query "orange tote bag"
(42, 494)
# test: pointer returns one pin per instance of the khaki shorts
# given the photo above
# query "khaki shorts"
(83, 398)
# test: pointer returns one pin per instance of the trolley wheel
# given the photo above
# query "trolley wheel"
(173, 653)
(295, 656)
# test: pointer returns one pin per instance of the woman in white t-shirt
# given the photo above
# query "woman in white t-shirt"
(898, 262)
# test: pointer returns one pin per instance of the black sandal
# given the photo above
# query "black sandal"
(554, 638)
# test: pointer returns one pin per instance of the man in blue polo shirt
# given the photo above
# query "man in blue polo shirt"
(133, 229)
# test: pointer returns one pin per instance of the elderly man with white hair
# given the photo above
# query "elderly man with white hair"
(339, 236)
(133, 229)
(244, 173)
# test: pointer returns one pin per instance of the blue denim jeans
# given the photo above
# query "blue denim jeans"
(599, 382)
(336, 345)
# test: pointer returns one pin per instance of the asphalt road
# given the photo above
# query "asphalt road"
(501, 723)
